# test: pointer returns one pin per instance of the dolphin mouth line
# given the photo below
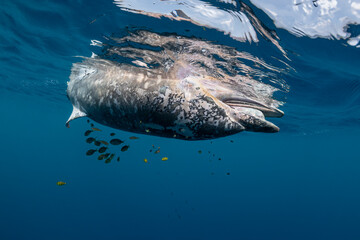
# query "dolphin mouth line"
(249, 103)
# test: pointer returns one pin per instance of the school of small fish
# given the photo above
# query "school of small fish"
(104, 145)
(108, 157)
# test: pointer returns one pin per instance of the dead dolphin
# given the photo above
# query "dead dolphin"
(177, 103)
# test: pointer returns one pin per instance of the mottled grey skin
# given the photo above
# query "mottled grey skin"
(174, 104)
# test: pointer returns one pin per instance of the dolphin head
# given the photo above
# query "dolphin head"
(238, 108)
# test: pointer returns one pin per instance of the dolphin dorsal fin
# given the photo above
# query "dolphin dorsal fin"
(76, 113)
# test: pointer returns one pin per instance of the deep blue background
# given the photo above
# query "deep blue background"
(301, 183)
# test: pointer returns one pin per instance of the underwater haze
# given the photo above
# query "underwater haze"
(91, 181)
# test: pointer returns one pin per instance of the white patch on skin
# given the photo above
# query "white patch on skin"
(130, 76)
(140, 91)
(181, 116)
(166, 96)
(83, 72)
(146, 85)
(205, 105)
(116, 102)
(140, 77)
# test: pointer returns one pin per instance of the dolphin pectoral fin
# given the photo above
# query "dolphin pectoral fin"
(255, 124)
(76, 113)
(249, 103)
(253, 120)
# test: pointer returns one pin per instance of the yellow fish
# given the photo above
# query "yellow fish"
(164, 159)
(145, 160)
(104, 142)
(95, 129)
(60, 183)
(133, 138)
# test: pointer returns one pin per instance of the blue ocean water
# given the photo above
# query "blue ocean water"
(300, 183)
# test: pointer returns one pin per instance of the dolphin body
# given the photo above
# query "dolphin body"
(177, 103)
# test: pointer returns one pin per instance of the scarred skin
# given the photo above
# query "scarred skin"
(175, 104)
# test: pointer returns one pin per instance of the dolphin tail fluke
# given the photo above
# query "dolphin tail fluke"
(76, 113)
